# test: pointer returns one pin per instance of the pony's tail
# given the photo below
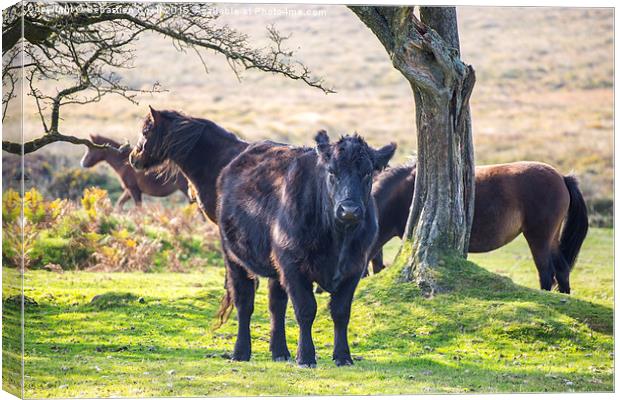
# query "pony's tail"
(576, 224)
(226, 306)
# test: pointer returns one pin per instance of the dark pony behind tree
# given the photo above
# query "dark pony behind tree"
(196, 147)
(522, 197)
(135, 183)
(298, 215)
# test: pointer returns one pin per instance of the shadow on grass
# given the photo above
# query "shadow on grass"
(492, 309)
(475, 378)
(11, 347)
(126, 327)
(469, 280)
(134, 328)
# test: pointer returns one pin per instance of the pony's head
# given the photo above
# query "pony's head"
(150, 150)
(94, 156)
(349, 166)
(166, 136)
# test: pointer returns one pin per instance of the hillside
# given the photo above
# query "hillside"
(544, 86)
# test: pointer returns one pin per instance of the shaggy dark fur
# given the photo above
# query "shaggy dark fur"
(523, 197)
(134, 183)
(298, 215)
(197, 147)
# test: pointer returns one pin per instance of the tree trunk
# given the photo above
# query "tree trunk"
(426, 52)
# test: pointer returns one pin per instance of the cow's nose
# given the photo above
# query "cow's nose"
(349, 213)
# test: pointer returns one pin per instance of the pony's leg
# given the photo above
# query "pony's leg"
(543, 259)
(183, 186)
(243, 288)
(562, 272)
(125, 196)
(278, 300)
(136, 194)
(299, 289)
(377, 262)
(340, 308)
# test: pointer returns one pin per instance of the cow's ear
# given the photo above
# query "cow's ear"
(323, 148)
(382, 156)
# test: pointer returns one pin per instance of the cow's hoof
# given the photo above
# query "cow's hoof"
(343, 362)
(283, 358)
(241, 357)
(309, 365)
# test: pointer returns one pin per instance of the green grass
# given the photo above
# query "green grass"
(151, 334)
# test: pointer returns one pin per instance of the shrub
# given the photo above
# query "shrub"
(70, 183)
(120, 252)
(70, 253)
(88, 235)
(38, 215)
(11, 230)
(601, 212)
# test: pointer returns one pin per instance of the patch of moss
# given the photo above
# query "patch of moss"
(114, 299)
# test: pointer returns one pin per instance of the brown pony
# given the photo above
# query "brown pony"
(522, 197)
(134, 182)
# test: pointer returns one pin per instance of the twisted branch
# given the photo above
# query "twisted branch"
(36, 144)
(85, 48)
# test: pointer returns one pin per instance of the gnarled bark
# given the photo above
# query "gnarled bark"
(426, 52)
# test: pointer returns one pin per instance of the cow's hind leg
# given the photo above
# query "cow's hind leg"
(278, 300)
(243, 288)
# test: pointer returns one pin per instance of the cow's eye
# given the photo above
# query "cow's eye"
(331, 176)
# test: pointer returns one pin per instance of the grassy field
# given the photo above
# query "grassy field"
(151, 334)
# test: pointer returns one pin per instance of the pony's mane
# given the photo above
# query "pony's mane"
(388, 175)
(183, 133)
(398, 169)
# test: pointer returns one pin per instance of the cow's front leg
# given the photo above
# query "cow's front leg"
(299, 289)
(340, 307)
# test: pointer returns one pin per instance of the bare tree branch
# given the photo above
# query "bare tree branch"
(10, 68)
(36, 144)
(87, 42)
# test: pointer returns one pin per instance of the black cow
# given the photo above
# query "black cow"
(298, 215)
